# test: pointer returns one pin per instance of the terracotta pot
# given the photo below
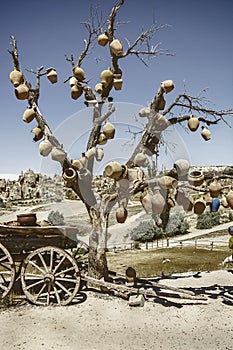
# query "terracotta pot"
(183, 200)
(45, 148)
(77, 164)
(16, 77)
(229, 198)
(22, 92)
(215, 189)
(79, 73)
(99, 88)
(199, 206)
(195, 178)
(121, 215)
(27, 219)
(146, 201)
(130, 275)
(29, 115)
(58, 154)
(206, 134)
(109, 130)
(52, 75)
(38, 133)
(167, 182)
(158, 202)
(144, 112)
(102, 139)
(116, 47)
(103, 39)
(76, 91)
(167, 86)
(113, 170)
(141, 160)
(193, 123)
(160, 122)
(69, 175)
(106, 77)
(182, 166)
(117, 84)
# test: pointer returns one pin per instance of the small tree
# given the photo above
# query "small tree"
(126, 179)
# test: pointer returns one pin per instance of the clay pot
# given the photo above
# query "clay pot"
(113, 170)
(22, 92)
(215, 189)
(182, 166)
(90, 153)
(195, 178)
(27, 219)
(76, 91)
(106, 77)
(38, 133)
(79, 73)
(141, 160)
(161, 123)
(121, 215)
(215, 204)
(117, 84)
(109, 130)
(134, 175)
(16, 77)
(69, 175)
(45, 148)
(52, 75)
(99, 154)
(158, 202)
(77, 164)
(102, 139)
(73, 81)
(206, 134)
(130, 275)
(207, 199)
(193, 123)
(99, 88)
(229, 198)
(199, 206)
(183, 200)
(167, 182)
(144, 112)
(167, 86)
(116, 47)
(146, 201)
(58, 154)
(103, 39)
(29, 115)
(224, 202)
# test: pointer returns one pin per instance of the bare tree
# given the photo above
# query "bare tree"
(127, 179)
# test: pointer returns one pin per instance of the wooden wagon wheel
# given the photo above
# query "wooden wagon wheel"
(50, 275)
(7, 272)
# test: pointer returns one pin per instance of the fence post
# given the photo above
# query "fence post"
(195, 243)
(167, 242)
(212, 245)
(181, 244)
(146, 245)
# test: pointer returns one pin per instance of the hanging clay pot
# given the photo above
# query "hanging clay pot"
(215, 204)
(106, 77)
(196, 178)
(22, 92)
(193, 123)
(206, 134)
(160, 122)
(183, 200)
(99, 88)
(199, 206)
(215, 189)
(69, 175)
(29, 115)
(144, 112)
(38, 133)
(146, 200)
(45, 147)
(58, 154)
(117, 84)
(167, 86)
(109, 130)
(76, 91)
(73, 81)
(229, 198)
(102, 139)
(167, 182)
(182, 166)
(224, 202)
(79, 73)
(158, 202)
(141, 160)
(90, 153)
(16, 77)
(116, 47)
(162, 103)
(113, 170)
(77, 164)
(99, 154)
(52, 75)
(103, 39)
(121, 215)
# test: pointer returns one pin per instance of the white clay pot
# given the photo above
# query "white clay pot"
(109, 130)
(99, 88)
(99, 154)
(193, 123)
(116, 47)
(45, 148)
(29, 115)
(103, 39)
(167, 182)
(141, 160)
(16, 77)
(58, 154)
(90, 153)
(69, 175)
(161, 123)
(38, 133)
(77, 164)
(206, 134)
(144, 112)
(182, 166)
(79, 73)
(76, 91)
(73, 81)
(52, 75)
(22, 92)
(113, 170)
(167, 86)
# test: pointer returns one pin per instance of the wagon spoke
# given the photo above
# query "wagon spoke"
(7, 271)
(34, 284)
(64, 271)
(57, 295)
(59, 264)
(40, 292)
(36, 266)
(3, 287)
(51, 260)
(43, 262)
(63, 288)
(48, 294)
(64, 279)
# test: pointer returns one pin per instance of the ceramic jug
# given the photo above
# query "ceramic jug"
(146, 200)
(58, 154)
(182, 166)
(215, 189)
(29, 115)
(113, 170)
(103, 39)
(22, 92)
(158, 202)
(16, 77)
(99, 88)
(73, 81)
(117, 84)
(141, 160)
(193, 123)
(38, 133)
(109, 130)
(79, 73)
(229, 198)
(106, 77)
(90, 153)
(45, 147)
(69, 175)
(199, 206)
(77, 164)
(183, 200)
(206, 134)
(99, 154)
(52, 75)
(144, 112)
(121, 215)
(167, 86)
(160, 122)
(195, 178)
(116, 47)
(167, 182)
(76, 91)
(102, 140)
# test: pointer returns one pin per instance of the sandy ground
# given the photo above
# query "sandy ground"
(101, 322)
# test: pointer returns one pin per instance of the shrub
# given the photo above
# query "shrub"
(146, 231)
(56, 218)
(177, 224)
(208, 220)
(231, 216)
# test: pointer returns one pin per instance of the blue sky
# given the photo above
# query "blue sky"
(200, 36)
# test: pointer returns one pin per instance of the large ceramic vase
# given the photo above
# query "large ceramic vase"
(121, 215)
(193, 123)
(215, 189)
(158, 202)
(215, 204)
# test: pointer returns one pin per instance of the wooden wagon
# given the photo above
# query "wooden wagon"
(44, 260)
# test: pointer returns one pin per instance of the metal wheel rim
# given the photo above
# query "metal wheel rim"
(50, 275)
(7, 272)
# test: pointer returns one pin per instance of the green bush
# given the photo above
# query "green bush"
(177, 224)
(231, 216)
(208, 220)
(56, 218)
(146, 231)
